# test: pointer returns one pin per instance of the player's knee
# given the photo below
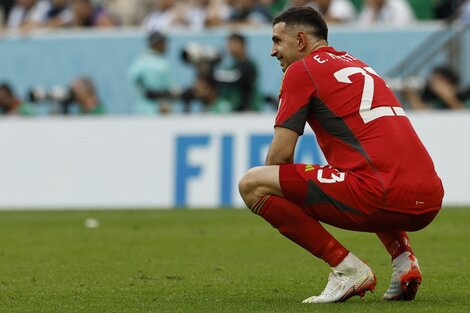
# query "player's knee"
(248, 187)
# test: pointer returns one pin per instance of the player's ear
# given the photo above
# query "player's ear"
(301, 41)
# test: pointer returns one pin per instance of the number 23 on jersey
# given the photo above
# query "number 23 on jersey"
(366, 111)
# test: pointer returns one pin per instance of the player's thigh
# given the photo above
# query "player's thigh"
(334, 197)
(326, 194)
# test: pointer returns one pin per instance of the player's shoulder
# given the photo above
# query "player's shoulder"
(296, 68)
(296, 73)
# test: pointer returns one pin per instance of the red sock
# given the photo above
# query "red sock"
(292, 222)
(396, 242)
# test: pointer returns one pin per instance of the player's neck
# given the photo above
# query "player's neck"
(317, 45)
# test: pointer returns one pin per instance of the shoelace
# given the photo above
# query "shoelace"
(336, 281)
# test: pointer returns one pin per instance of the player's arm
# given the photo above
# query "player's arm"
(283, 146)
(294, 103)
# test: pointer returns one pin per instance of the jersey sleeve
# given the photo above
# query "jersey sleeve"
(297, 88)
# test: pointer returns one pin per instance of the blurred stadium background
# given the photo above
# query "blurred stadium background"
(125, 160)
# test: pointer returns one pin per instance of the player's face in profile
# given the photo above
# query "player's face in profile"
(284, 46)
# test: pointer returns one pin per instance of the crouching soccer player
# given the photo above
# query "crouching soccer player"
(380, 178)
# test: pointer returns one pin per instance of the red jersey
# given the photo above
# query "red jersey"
(361, 128)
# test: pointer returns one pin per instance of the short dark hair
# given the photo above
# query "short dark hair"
(7, 88)
(304, 16)
(87, 82)
(238, 37)
(448, 74)
(155, 36)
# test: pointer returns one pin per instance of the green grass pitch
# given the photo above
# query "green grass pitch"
(205, 261)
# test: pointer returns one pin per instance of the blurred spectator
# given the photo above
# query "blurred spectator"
(205, 90)
(388, 12)
(238, 77)
(162, 17)
(58, 14)
(79, 97)
(10, 104)
(333, 11)
(86, 14)
(217, 13)
(129, 12)
(302, 3)
(446, 9)
(85, 95)
(336, 11)
(5, 7)
(151, 73)
(192, 14)
(274, 6)
(440, 92)
(464, 14)
(27, 14)
(249, 12)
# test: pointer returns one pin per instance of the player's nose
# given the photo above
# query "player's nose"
(273, 52)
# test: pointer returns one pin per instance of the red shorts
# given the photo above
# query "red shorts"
(332, 197)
